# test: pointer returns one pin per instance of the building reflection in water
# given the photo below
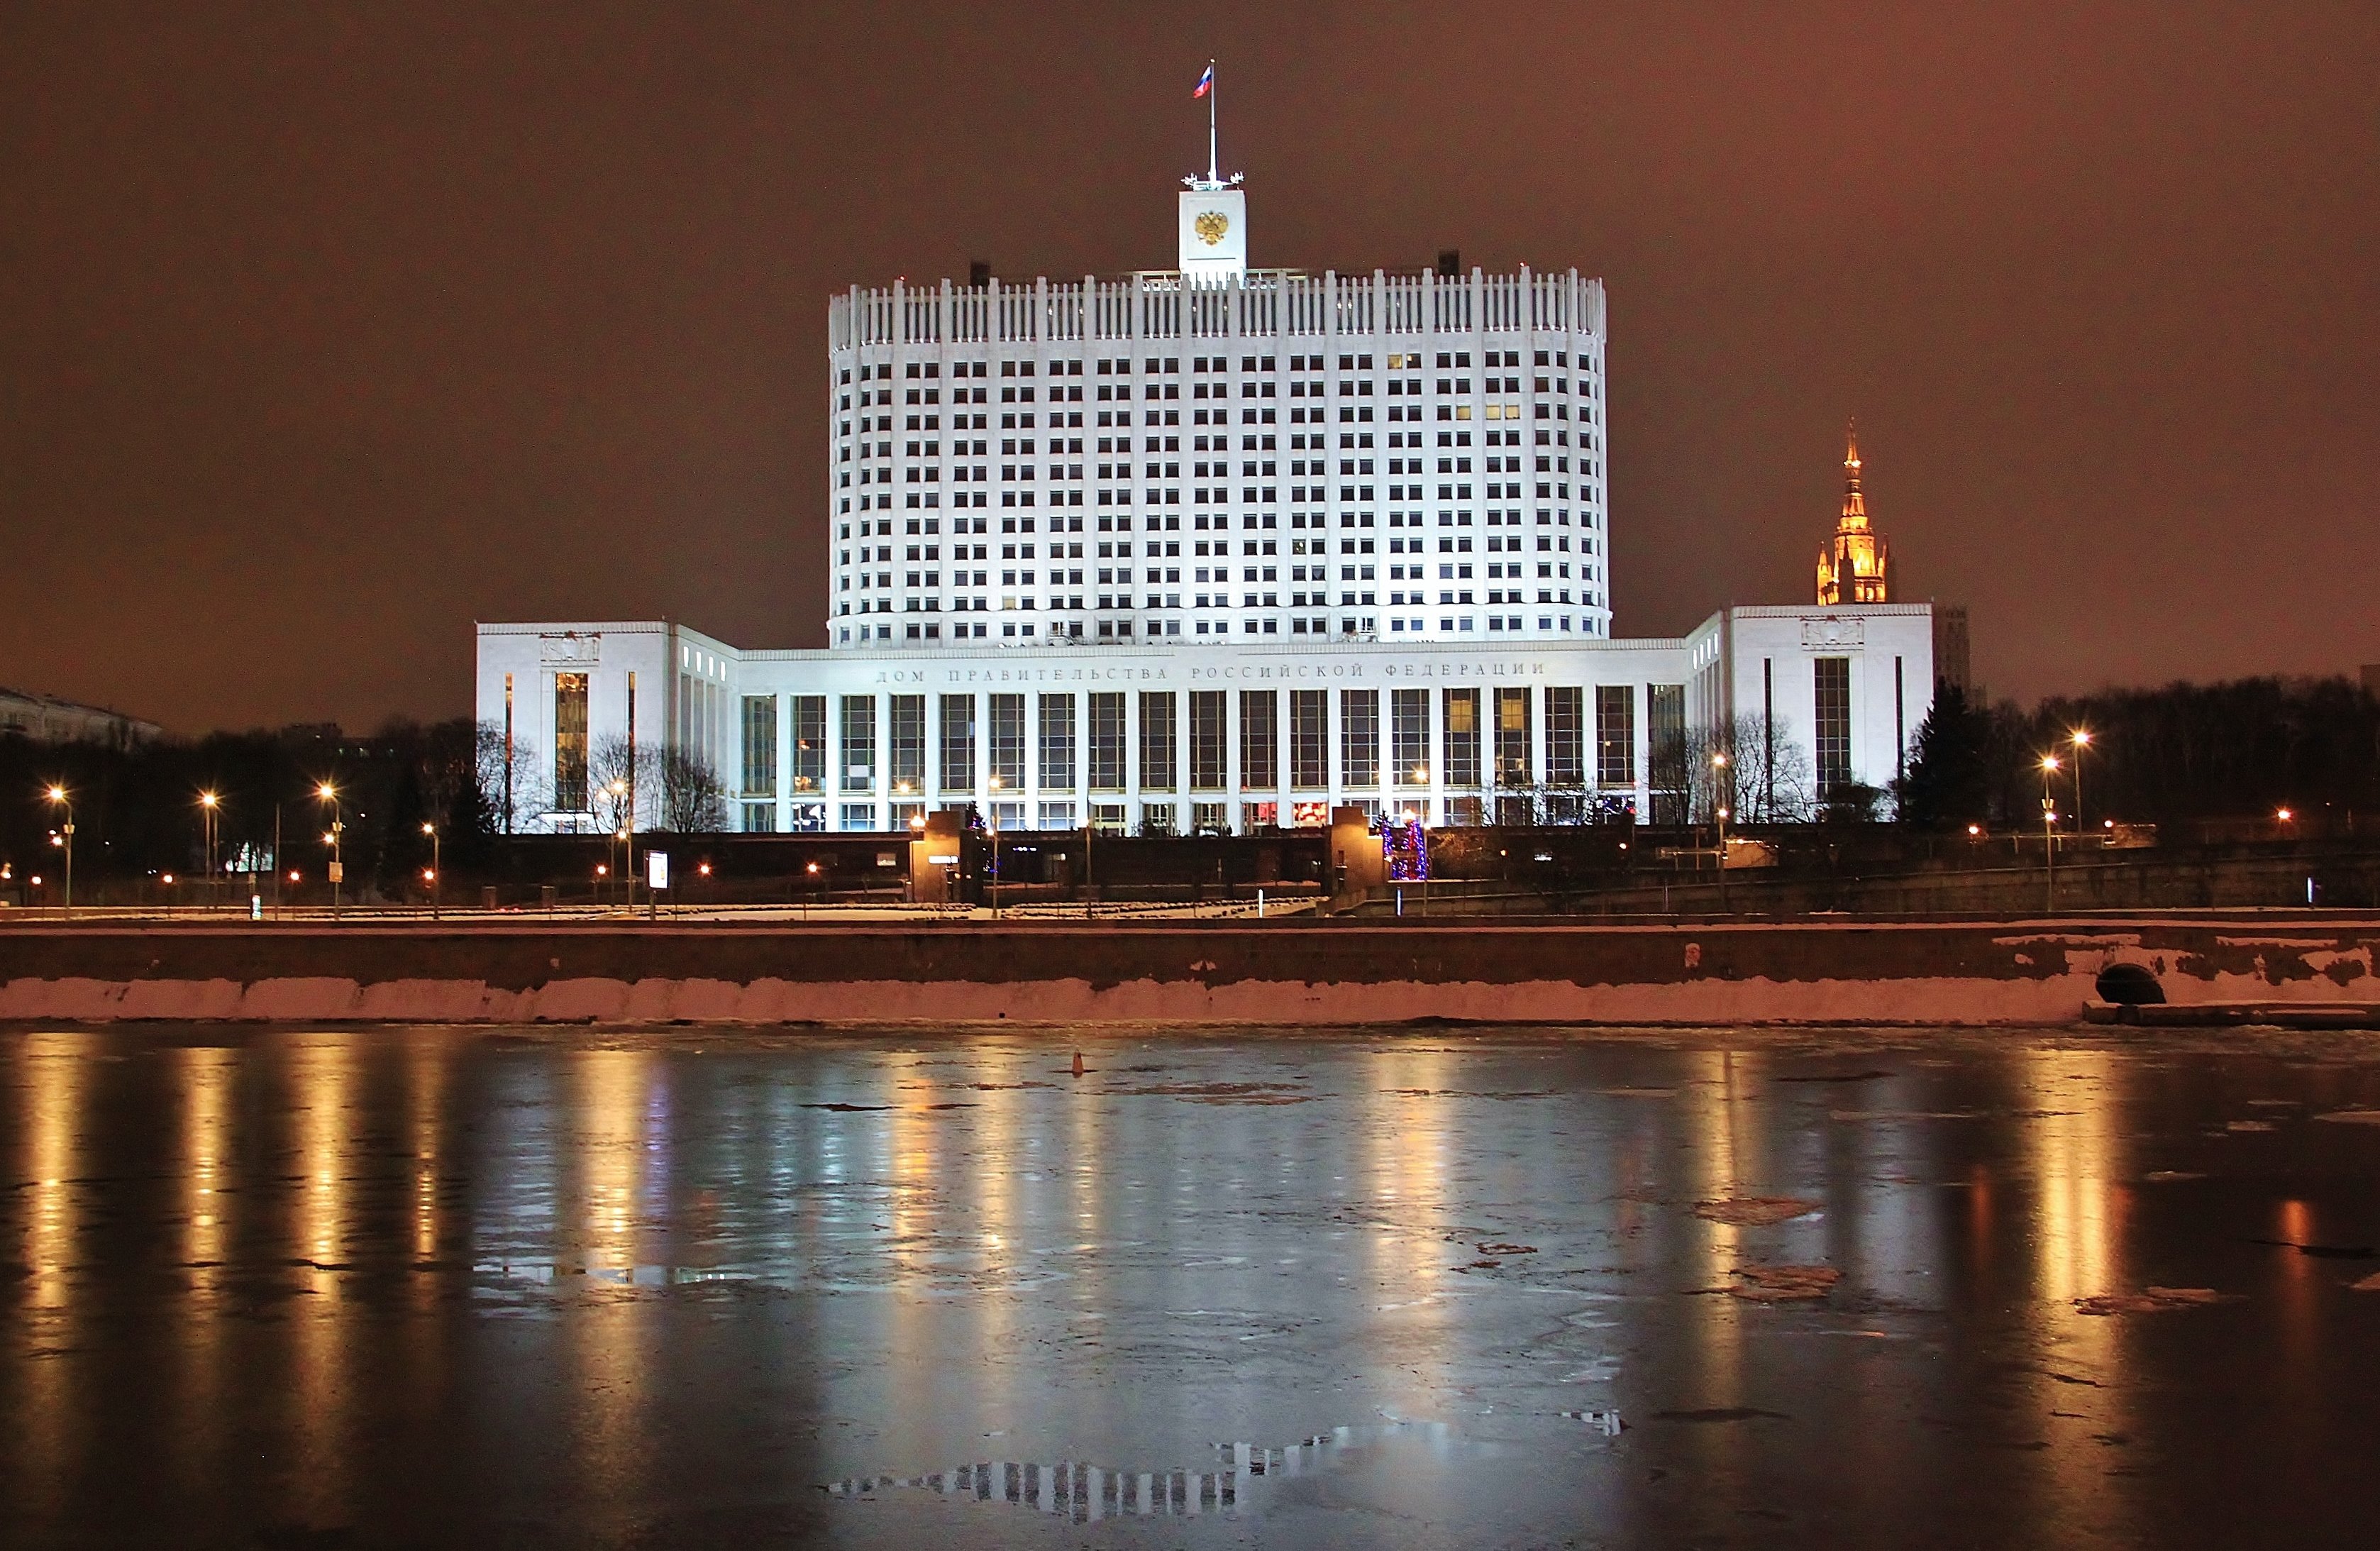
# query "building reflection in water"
(1082, 1494)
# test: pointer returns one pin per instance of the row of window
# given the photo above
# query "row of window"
(1430, 738)
(1358, 628)
(1121, 366)
(1164, 817)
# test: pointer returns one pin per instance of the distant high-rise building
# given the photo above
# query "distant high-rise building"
(1852, 569)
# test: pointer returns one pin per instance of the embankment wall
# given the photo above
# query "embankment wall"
(1214, 974)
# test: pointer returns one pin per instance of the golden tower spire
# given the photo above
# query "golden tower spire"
(1852, 569)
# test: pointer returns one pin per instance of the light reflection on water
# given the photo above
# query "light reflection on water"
(271, 1280)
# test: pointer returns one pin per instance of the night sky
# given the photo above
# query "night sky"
(326, 330)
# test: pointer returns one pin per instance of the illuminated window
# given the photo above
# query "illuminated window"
(570, 743)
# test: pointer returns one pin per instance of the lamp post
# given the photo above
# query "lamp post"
(994, 784)
(436, 869)
(327, 793)
(623, 826)
(1719, 779)
(61, 798)
(2048, 834)
(209, 803)
(1090, 828)
(1421, 778)
(2081, 739)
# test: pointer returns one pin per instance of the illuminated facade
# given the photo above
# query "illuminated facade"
(1205, 549)
(1851, 569)
(1218, 452)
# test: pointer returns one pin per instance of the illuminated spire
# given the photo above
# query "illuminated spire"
(1854, 503)
(1851, 569)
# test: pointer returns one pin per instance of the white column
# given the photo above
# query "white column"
(784, 794)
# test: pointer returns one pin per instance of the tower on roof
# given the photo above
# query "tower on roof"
(1212, 220)
(1850, 571)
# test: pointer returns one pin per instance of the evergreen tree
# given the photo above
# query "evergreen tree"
(1949, 780)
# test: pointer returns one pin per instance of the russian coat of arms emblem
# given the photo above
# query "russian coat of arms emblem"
(1210, 225)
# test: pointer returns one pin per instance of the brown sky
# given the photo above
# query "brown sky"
(326, 330)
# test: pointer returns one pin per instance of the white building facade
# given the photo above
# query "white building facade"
(1206, 549)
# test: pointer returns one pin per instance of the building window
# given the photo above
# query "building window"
(760, 747)
(1565, 736)
(1259, 739)
(1107, 743)
(1359, 738)
(858, 816)
(1665, 738)
(1309, 749)
(1209, 712)
(809, 742)
(1615, 735)
(958, 743)
(1460, 753)
(1512, 737)
(1834, 716)
(1409, 736)
(1057, 740)
(570, 743)
(759, 818)
(858, 743)
(908, 773)
(1157, 740)
(1008, 742)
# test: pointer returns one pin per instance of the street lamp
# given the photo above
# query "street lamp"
(624, 809)
(995, 846)
(327, 793)
(1719, 776)
(2049, 833)
(436, 867)
(2081, 739)
(209, 803)
(60, 798)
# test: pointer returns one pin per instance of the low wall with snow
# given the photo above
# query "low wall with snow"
(1275, 975)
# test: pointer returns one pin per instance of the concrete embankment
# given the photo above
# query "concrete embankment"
(1215, 973)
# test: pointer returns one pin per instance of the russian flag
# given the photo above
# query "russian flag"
(1205, 84)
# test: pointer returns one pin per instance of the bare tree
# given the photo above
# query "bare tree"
(693, 799)
(1772, 781)
(510, 783)
(621, 780)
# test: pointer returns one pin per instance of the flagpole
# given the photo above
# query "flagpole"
(1212, 165)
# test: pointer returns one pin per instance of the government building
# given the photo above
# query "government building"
(1211, 549)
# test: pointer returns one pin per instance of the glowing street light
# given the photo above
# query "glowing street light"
(437, 865)
(2049, 767)
(995, 846)
(209, 804)
(327, 793)
(60, 798)
(2081, 739)
(1718, 774)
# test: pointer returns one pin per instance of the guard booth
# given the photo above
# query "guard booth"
(1359, 863)
(946, 860)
